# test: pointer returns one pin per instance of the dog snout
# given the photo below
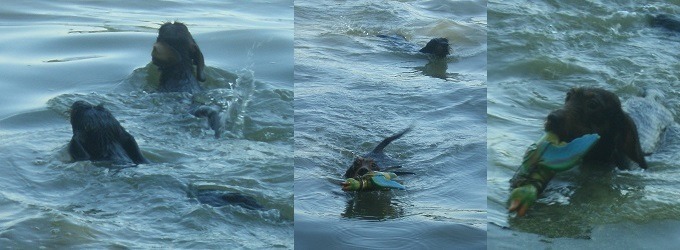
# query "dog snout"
(555, 121)
(556, 116)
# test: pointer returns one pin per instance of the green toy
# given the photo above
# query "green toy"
(372, 181)
(541, 162)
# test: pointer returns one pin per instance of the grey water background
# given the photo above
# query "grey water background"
(353, 89)
(53, 53)
(540, 49)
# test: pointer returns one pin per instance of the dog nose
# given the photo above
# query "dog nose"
(556, 117)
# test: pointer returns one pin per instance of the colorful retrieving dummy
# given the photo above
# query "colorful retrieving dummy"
(372, 181)
(540, 163)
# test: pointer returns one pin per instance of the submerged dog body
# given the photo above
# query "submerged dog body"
(367, 163)
(98, 136)
(220, 198)
(175, 53)
(594, 110)
(651, 118)
(666, 21)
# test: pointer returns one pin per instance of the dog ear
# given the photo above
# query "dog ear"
(628, 141)
(197, 57)
(131, 148)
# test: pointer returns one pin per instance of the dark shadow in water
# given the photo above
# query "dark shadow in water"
(665, 21)
(219, 196)
(594, 199)
(372, 205)
(436, 67)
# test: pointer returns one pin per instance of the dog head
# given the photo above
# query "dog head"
(98, 136)
(176, 52)
(88, 118)
(96, 130)
(585, 111)
(594, 110)
(361, 166)
(438, 47)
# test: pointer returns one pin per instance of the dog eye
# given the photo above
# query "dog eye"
(592, 104)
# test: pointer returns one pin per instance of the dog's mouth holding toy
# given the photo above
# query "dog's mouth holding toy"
(372, 181)
(557, 155)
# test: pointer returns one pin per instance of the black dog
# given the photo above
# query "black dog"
(98, 136)
(439, 47)
(594, 110)
(367, 163)
(175, 53)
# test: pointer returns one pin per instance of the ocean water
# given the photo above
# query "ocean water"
(353, 89)
(540, 50)
(55, 53)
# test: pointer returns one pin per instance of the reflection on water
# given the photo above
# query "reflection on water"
(437, 67)
(372, 205)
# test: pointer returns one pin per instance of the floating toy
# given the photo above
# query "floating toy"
(541, 162)
(372, 181)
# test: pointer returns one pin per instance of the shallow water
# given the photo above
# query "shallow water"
(57, 53)
(353, 89)
(540, 50)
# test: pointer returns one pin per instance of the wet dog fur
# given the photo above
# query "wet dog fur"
(98, 136)
(439, 47)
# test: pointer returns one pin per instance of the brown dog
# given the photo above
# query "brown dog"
(175, 53)
(595, 110)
